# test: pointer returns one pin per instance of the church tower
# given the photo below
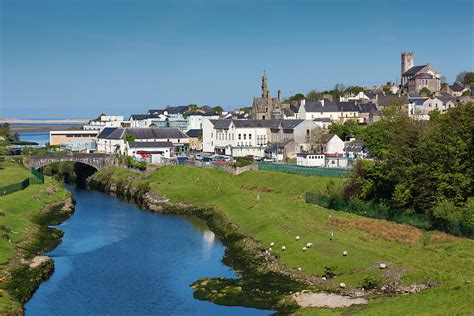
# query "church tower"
(264, 86)
(408, 61)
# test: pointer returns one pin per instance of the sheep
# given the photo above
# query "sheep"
(299, 269)
(283, 248)
(304, 248)
(344, 253)
(383, 266)
(309, 244)
(272, 244)
(270, 249)
(342, 285)
(324, 278)
(298, 238)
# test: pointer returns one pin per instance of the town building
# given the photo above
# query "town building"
(151, 152)
(73, 138)
(311, 159)
(265, 107)
(195, 139)
(414, 78)
(114, 140)
(252, 137)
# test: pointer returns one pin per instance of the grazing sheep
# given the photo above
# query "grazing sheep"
(324, 278)
(270, 249)
(342, 285)
(344, 253)
(283, 248)
(298, 238)
(383, 266)
(309, 244)
(272, 244)
(304, 248)
(299, 269)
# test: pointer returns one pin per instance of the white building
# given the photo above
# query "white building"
(310, 159)
(113, 140)
(152, 152)
(361, 96)
(251, 137)
(195, 119)
(106, 121)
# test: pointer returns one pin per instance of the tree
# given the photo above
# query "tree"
(297, 97)
(467, 93)
(218, 109)
(313, 96)
(468, 78)
(387, 89)
(193, 107)
(129, 138)
(425, 91)
(354, 89)
(345, 130)
(315, 139)
(460, 77)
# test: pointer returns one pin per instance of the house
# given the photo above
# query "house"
(365, 111)
(360, 97)
(414, 78)
(169, 117)
(323, 122)
(195, 139)
(113, 140)
(354, 150)
(330, 145)
(152, 152)
(337, 161)
(251, 137)
(266, 107)
(311, 159)
(382, 100)
(195, 119)
(348, 111)
(456, 90)
(282, 151)
(321, 109)
(106, 121)
(138, 120)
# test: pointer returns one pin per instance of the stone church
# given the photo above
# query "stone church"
(415, 78)
(266, 107)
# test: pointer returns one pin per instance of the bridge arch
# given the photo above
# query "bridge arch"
(97, 161)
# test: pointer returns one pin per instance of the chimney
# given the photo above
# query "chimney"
(322, 102)
(302, 102)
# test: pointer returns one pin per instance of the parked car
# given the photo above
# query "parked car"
(222, 159)
(269, 159)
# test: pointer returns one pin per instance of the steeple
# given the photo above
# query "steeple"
(264, 86)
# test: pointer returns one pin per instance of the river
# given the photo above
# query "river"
(116, 259)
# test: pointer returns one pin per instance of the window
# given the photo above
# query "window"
(240, 137)
(245, 136)
(250, 136)
(307, 132)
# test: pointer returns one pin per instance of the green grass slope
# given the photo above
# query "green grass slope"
(271, 207)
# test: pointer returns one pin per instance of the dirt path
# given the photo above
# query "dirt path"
(326, 300)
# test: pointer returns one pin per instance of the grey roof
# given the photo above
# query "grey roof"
(194, 133)
(355, 145)
(414, 70)
(367, 107)
(150, 144)
(348, 106)
(288, 112)
(384, 100)
(221, 124)
(286, 124)
(325, 138)
(328, 106)
(456, 88)
(138, 116)
(170, 109)
(156, 133)
(112, 133)
(322, 119)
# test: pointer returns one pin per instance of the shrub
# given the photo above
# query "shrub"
(330, 271)
(370, 282)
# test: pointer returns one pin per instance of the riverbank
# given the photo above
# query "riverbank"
(251, 211)
(24, 219)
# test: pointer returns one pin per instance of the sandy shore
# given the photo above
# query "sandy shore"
(52, 121)
(43, 128)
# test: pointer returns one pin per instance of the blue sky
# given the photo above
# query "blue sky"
(71, 58)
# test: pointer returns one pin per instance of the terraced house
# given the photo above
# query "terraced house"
(251, 137)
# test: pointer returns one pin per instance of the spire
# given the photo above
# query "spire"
(264, 86)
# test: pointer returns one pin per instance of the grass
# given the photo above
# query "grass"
(270, 207)
(21, 236)
(11, 173)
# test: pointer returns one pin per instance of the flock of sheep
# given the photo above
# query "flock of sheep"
(309, 245)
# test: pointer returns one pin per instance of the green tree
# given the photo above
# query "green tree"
(313, 96)
(468, 78)
(193, 107)
(467, 93)
(425, 91)
(218, 109)
(353, 89)
(129, 137)
(387, 89)
(346, 129)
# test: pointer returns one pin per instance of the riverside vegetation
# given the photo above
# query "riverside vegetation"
(25, 235)
(428, 272)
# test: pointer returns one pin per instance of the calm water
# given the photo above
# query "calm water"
(38, 137)
(118, 260)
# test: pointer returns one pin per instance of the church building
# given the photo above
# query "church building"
(415, 78)
(266, 107)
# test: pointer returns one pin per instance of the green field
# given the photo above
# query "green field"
(271, 207)
(20, 235)
(11, 173)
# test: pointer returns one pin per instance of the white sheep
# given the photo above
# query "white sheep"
(383, 266)
(344, 253)
(272, 244)
(298, 238)
(309, 244)
(324, 278)
(283, 248)
(270, 249)
(299, 269)
(342, 285)
(304, 248)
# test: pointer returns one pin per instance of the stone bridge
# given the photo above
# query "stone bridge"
(98, 161)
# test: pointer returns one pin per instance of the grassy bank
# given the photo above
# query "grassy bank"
(24, 235)
(270, 207)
